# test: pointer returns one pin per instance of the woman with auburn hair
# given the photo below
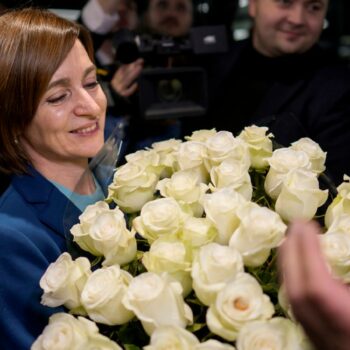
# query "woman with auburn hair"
(52, 115)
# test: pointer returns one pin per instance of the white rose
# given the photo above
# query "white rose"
(336, 248)
(239, 302)
(213, 345)
(220, 208)
(214, 266)
(95, 339)
(340, 204)
(260, 145)
(260, 230)
(234, 174)
(81, 231)
(167, 152)
(300, 196)
(145, 157)
(283, 161)
(190, 155)
(103, 293)
(168, 254)
(314, 151)
(105, 233)
(145, 295)
(159, 217)
(172, 337)
(184, 187)
(63, 282)
(277, 334)
(201, 135)
(223, 145)
(133, 185)
(167, 146)
(65, 332)
(197, 232)
(340, 224)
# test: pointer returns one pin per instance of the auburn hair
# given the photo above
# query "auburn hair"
(33, 44)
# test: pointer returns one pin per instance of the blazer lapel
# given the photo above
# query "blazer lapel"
(52, 207)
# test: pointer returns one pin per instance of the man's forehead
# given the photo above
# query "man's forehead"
(188, 2)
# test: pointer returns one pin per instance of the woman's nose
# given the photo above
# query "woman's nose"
(86, 105)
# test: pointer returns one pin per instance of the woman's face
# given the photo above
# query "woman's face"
(69, 122)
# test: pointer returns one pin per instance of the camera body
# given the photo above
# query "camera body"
(171, 86)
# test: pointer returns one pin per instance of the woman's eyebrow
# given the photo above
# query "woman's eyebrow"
(65, 81)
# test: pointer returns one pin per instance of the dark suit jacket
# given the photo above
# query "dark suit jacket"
(313, 101)
(32, 235)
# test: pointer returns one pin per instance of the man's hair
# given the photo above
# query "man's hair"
(33, 44)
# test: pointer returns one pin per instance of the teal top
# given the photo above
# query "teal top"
(81, 201)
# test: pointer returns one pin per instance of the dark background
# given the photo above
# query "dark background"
(208, 12)
(220, 10)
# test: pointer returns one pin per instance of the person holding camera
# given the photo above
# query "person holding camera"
(172, 18)
(103, 18)
(161, 19)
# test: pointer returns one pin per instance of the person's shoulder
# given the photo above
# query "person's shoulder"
(332, 82)
(18, 220)
(236, 47)
(330, 68)
(14, 223)
(11, 202)
(335, 73)
(219, 66)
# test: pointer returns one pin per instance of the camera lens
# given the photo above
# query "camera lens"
(169, 90)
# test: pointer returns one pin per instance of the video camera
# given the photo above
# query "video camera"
(166, 91)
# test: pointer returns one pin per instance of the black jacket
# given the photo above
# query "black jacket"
(295, 96)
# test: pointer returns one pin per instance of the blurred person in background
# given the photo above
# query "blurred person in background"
(105, 17)
(281, 78)
(171, 18)
(52, 122)
(161, 18)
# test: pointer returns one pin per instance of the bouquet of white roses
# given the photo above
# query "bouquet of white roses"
(185, 248)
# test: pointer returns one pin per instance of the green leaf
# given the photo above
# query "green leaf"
(196, 327)
(131, 347)
(132, 333)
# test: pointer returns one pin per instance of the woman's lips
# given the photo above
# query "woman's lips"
(86, 130)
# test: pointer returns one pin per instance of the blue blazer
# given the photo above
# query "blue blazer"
(33, 230)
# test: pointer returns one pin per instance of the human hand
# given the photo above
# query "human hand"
(319, 302)
(123, 81)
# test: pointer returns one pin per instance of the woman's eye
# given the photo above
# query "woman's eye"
(56, 99)
(92, 84)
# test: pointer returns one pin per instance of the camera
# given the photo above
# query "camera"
(166, 90)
